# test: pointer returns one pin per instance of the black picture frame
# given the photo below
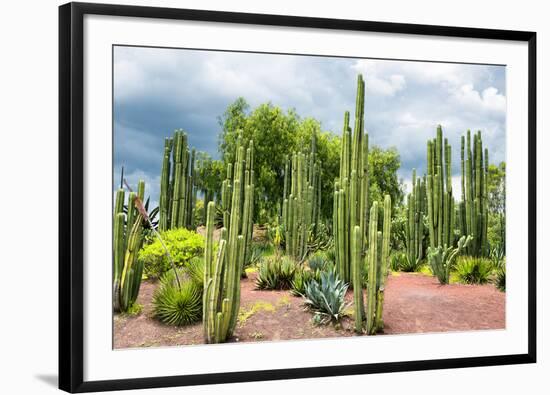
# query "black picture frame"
(71, 171)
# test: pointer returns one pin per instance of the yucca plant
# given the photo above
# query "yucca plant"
(175, 305)
(276, 272)
(472, 270)
(195, 270)
(325, 297)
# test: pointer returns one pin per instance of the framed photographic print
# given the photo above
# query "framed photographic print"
(236, 189)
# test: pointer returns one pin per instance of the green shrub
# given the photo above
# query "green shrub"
(183, 245)
(301, 278)
(257, 251)
(325, 297)
(472, 270)
(500, 279)
(175, 306)
(276, 272)
(318, 261)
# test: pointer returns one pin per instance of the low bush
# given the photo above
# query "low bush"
(472, 270)
(319, 261)
(276, 272)
(325, 297)
(500, 279)
(301, 278)
(182, 244)
(174, 305)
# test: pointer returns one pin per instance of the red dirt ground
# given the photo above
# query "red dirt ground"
(413, 303)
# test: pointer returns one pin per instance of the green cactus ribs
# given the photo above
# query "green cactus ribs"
(474, 211)
(301, 200)
(178, 191)
(377, 259)
(414, 231)
(221, 296)
(127, 241)
(351, 188)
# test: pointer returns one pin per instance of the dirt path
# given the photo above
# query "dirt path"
(413, 303)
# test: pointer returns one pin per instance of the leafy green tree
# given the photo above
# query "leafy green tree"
(276, 134)
(209, 176)
(383, 179)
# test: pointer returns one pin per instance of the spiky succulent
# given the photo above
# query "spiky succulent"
(326, 297)
(471, 270)
(195, 270)
(174, 305)
(500, 279)
(301, 278)
(276, 273)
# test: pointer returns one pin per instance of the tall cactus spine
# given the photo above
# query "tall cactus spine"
(474, 206)
(127, 241)
(441, 218)
(378, 256)
(301, 199)
(222, 272)
(416, 202)
(177, 184)
(351, 188)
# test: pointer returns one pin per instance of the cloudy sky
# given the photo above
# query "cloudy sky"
(158, 90)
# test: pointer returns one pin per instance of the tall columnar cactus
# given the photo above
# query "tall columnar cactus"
(351, 188)
(243, 171)
(127, 241)
(474, 210)
(221, 295)
(416, 209)
(301, 199)
(439, 190)
(177, 184)
(377, 259)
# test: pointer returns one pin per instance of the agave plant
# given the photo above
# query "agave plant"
(276, 272)
(326, 297)
(176, 304)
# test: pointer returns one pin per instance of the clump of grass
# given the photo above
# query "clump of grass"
(473, 270)
(500, 279)
(260, 305)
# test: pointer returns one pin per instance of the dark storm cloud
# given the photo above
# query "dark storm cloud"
(159, 90)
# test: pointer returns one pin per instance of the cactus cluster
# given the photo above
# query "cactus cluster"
(439, 190)
(301, 200)
(221, 296)
(416, 209)
(474, 209)
(378, 260)
(178, 191)
(127, 241)
(351, 188)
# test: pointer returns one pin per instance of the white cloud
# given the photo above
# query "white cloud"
(377, 81)
(489, 99)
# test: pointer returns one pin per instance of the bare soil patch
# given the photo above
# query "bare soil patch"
(414, 303)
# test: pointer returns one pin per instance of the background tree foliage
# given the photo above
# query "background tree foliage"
(277, 133)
